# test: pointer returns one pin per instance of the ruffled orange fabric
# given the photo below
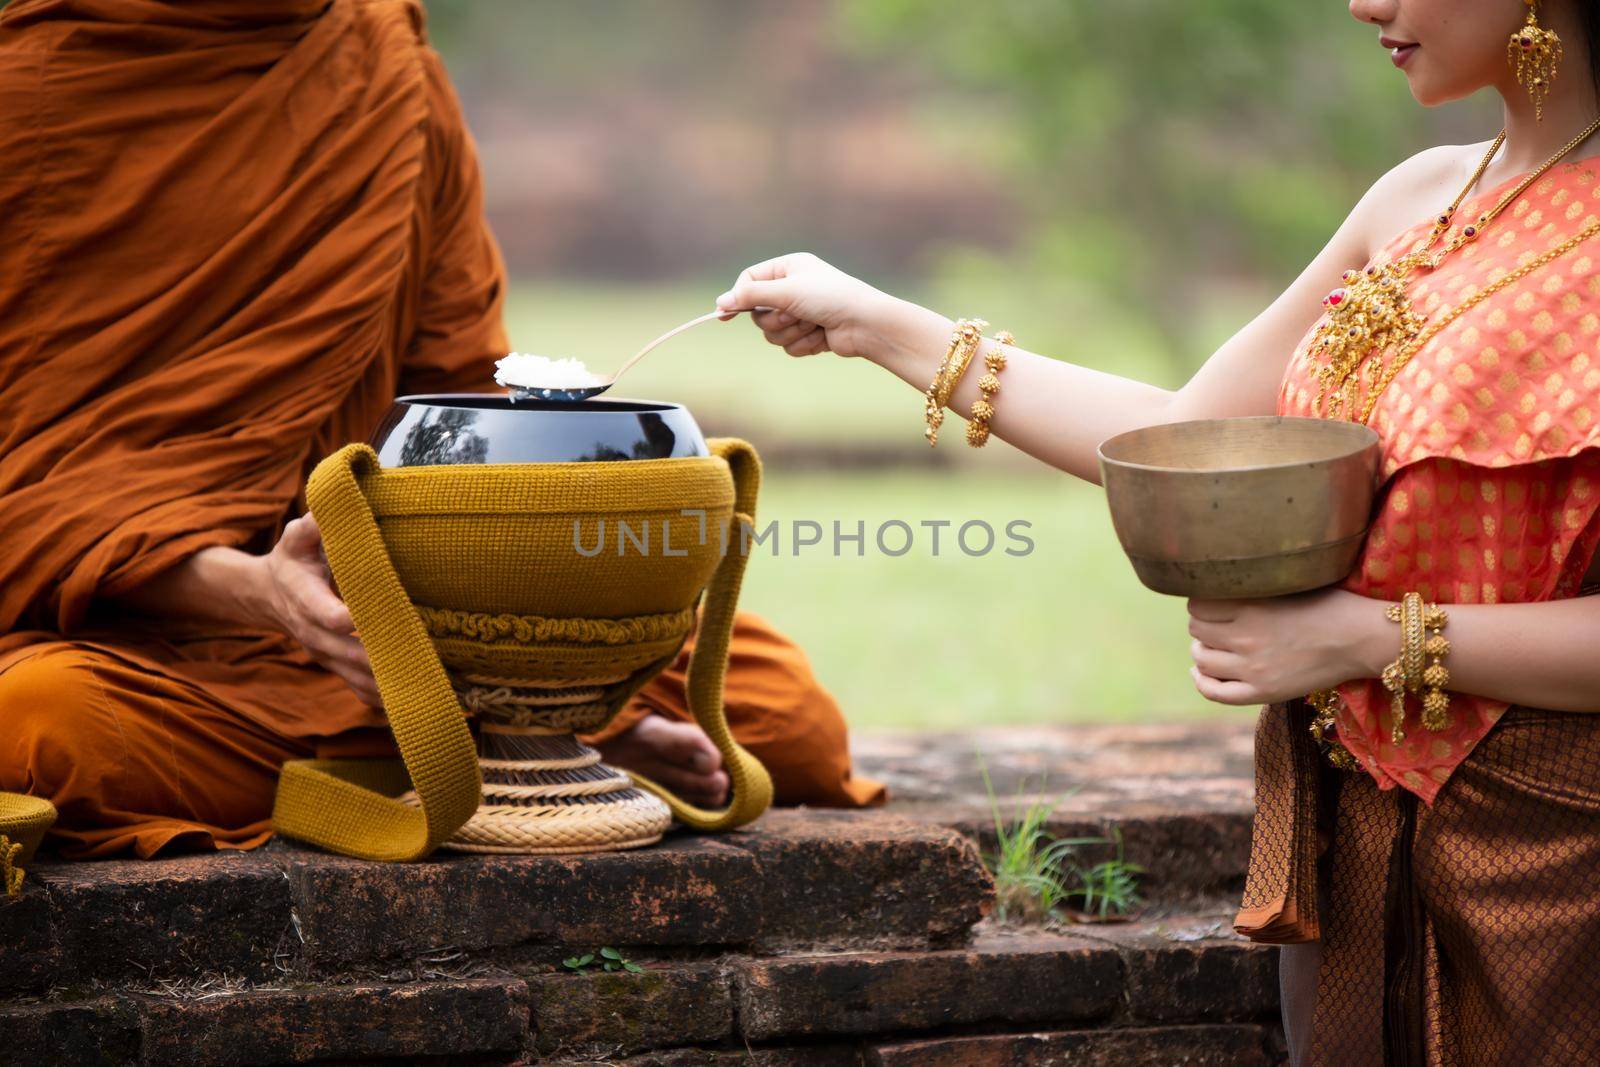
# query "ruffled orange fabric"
(230, 232)
(1491, 449)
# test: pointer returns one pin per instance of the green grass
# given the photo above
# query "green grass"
(925, 641)
(920, 641)
(1036, 874)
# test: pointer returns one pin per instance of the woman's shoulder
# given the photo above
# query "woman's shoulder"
(1413, 190)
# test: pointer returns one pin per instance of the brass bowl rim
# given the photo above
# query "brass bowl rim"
(1372, 440)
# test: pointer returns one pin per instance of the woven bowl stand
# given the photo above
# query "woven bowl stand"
(544, 791)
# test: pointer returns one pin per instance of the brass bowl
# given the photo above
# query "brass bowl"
(1241, 508)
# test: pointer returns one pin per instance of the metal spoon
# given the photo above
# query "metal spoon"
(584, 392)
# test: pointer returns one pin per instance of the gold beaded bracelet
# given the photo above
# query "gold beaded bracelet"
(1420, 636)
(1436, 702)
(964, 341)
(988, 386)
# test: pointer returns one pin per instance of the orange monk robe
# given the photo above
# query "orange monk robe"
(230, 232)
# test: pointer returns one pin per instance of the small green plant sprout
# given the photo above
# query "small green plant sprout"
(1027, 862)
(615, 961)
(1110, 888)
(610, 960)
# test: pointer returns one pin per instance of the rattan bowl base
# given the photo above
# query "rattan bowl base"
(562, 800)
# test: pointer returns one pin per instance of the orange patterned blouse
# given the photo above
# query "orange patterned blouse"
(1491, 448)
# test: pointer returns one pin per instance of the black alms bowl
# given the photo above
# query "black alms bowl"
(489, 428)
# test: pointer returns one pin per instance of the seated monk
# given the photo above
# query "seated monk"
(230, 233)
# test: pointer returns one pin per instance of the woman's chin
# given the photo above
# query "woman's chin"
(1430, 92)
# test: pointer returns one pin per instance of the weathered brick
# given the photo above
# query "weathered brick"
(29, 955)
(864, 878)
(1186, 852)
(1014, 980)
(1194, 1046)
(262, 1027)
(799, 1056)
(621, 1012)
(79, 1034)
(688, 891)
(1192, 969)
(139, 919)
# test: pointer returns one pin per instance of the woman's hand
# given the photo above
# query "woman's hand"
(297, 598)
(1264, 651)
(817, 307)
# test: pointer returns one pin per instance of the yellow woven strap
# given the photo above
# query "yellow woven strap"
(708, 666)
(351, 806)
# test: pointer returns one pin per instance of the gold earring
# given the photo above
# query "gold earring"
(1534, 53)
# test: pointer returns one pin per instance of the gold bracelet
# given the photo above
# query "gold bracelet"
(967, 342)
(1436, 702)
(964, 340)
(1411, 638)
(988, 386)
(1405, 673)
(1420, 635)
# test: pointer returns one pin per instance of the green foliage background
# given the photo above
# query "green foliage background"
(1167, 139)
(1175, 162)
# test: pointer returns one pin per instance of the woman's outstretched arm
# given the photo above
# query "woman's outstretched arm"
(1056, 411)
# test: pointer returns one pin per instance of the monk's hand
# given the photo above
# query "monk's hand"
(1265, 651)
(816, 306)
(300, 601)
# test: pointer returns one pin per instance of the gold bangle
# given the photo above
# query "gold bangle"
(964, 339)
(1411, 637)
(1421, 635)
(968, 340)
(1405, 673)
(988, 386)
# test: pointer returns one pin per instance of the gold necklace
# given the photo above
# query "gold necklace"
(1382, 379)
(1371, 311)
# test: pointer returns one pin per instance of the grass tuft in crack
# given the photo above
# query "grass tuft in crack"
(1035, 874)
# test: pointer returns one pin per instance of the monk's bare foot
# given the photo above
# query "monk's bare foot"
(677, 755)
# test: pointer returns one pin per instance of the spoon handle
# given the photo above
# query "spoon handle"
(675, 331)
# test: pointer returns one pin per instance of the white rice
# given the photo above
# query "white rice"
(519, 370)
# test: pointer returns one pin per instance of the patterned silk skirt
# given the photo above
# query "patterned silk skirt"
(1463, 933)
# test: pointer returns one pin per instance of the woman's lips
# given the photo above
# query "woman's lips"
(1400, 52)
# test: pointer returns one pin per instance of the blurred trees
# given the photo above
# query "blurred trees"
(1170, 141)
(1145, 154)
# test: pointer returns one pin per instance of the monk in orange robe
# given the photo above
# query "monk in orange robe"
(231, 231)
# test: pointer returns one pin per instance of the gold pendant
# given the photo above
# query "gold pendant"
(1370, 311)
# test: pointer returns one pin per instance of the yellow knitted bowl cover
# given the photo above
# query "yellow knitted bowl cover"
(23, 822)
(499, 570)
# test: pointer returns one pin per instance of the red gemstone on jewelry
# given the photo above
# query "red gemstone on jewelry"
(1525, 42)
(1335, 298)
(1349, 276)
(1470, 231)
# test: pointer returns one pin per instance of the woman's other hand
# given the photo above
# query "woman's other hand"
(1264, 651)
(816, 307)
(298, 599)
